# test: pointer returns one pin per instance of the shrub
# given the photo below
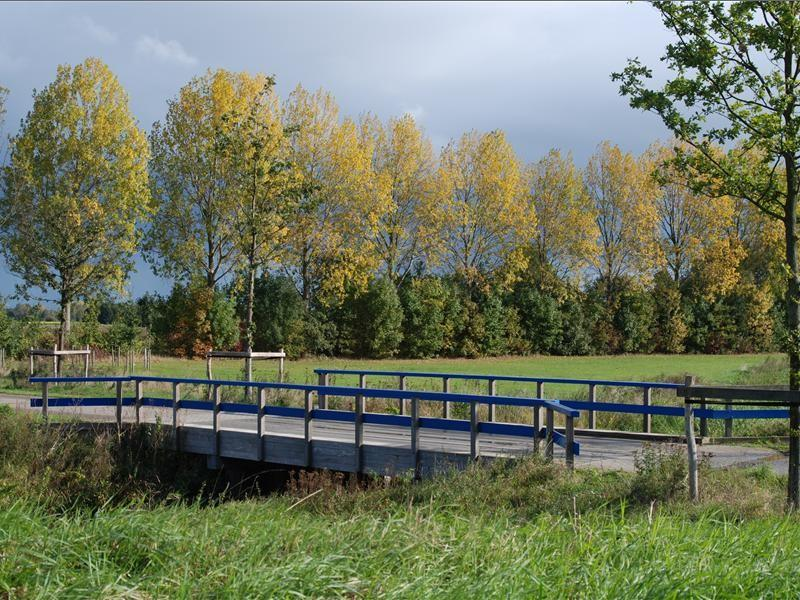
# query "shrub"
(660, 473)
(424, 301)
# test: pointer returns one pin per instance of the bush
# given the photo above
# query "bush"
(660, 473)
(424, 301)
(379, 320)
(196, 319)
(539, 316)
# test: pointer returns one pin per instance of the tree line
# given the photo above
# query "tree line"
(284, 224)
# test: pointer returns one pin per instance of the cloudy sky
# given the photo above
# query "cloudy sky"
(539, 71)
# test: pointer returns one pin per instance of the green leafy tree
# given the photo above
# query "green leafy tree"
(424, 300)
(734, 70)
(379, 320)
(75, 188)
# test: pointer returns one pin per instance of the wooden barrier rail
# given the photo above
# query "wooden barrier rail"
(309, 414)
(731, 396)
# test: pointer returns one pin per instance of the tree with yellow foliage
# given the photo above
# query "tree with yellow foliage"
(565, 239)
(621, 190)
(263, 189)
(404, 166)
(75, 188)
(482, 216)
(195, 234)
(328, 246)
(694, 232)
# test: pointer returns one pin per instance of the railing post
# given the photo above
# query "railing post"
(55, 361)
(45, 400)
(446, 390)
(30, 361)
(282, 367)
(138, 400)
(691, 445)
(359, 432)
(474, 447)
(492, 392)
(308, 426)
(176, 404)
(548, 449)
(647, 418)
(119, 405)
(537, 418)
(703, 420)
(570, 433)
(215, 418)
(262, 401)
(401, 404)
(322, 399)
(592, 422)
(362, 383)
(728, 423)
(86, 362)
(415, 437)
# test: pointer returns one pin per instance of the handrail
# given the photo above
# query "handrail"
(517, 378)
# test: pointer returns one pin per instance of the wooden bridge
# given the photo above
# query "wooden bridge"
(358, 441)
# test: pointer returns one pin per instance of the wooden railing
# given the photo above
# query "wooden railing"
(414, 422)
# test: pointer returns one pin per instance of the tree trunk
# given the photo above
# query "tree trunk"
(793, 330)
(251, 298)
(63, 326)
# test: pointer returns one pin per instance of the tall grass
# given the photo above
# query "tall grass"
(134, 529)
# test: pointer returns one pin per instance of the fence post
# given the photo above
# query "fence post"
(691, 445)
(647, 418)
(281, 367)
(446, 390)
(548, 449)
(415, 437)
(30, 361)
(322, 399)
(474, 448)
(537, 420)
(362, 383)
(592, 419)
(492, 392)
(401, 404)
(308, 427)
(728, 423)
(359, 431)
(86, 362)
(55, 361)
(45, 400)
(176, 401)
(570, 434)
(119, 405)
(262, 402)
(138, 400)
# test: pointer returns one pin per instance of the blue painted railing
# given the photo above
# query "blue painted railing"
(646, 409)
(357, 416)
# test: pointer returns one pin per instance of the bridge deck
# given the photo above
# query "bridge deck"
(386, 448)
